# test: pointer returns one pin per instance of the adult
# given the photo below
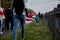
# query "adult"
(2, 17)
(9, 18)
(19, 8)
(39, 15)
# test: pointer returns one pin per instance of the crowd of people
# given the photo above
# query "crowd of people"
(10, 18)
(6, 17)
(2, 17)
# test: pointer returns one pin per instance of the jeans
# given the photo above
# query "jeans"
(17, 18)
(1, 25)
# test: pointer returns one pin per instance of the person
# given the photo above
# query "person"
(37, 19)
(19, 8)
(2, 17)
(31, 15)
(9, 18)
(26, 11)
(39, 14)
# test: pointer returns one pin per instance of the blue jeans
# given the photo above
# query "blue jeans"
(1, 25)
(17, 18)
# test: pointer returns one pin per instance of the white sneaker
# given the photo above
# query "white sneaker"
(1, 32)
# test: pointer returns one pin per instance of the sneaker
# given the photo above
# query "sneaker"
(1, 32)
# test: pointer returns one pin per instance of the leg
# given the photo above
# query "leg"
(15, 27)
(12, 21)
(1, 26)
(7, 24)
(22, 21)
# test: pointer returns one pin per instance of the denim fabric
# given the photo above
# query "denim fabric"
(1, 25)
(17, 18)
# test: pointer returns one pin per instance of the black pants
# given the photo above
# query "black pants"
(8, 22)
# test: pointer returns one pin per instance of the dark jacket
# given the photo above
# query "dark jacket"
(8, 14)
(19, 6)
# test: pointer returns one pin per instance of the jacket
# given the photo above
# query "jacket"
(19, 6)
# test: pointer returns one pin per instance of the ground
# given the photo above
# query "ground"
(33, 32)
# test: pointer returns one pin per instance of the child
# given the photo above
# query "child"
(37, 19)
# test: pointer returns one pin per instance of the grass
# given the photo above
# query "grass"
(33, 32)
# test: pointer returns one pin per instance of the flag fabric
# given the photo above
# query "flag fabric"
(28, 20)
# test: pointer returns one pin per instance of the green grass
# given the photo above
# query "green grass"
(33, 32)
